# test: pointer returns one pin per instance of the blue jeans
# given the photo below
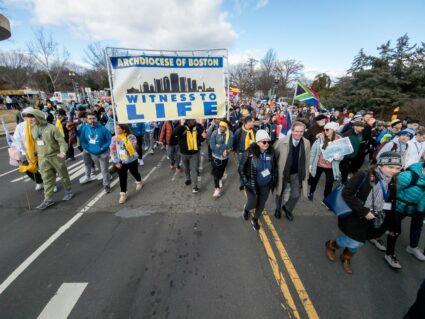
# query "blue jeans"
(344, 241)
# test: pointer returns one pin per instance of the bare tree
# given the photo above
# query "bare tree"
(48, 56)
(288, 71)
(95, 56)
(16, 67)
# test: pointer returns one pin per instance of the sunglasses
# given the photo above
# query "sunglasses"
(265, 142)
(327, 129)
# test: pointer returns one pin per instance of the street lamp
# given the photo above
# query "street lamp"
(4, 28)
(74, 85)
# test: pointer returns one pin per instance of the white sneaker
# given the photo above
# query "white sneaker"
(416, 252)
(39, 187)
(217, 193)
(55, 190)
(224, 176)
(392, 261)
(86, 179)
(220, 183)
(378, 244)
(151, 151)
(146, 148)
(141, 163)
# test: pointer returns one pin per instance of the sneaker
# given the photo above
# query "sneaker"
(151, 151)
(146, 148)
(172, 166)
(55, 189)
(245, 213)
(416, 252)
(255, 224)
(39, 187)
(310, 196)
(392, 261)
(224, 176)
(188, 182)
(70, 159)
(141, 163)
(288, 214)
(378, 244)
(139, 186)
(107, 189)
(86, 179)
(195, 190)
(44, 204)
(68, 195)
(179, 169)
(217, 193)
(241, 188)
(220, 184)
(123, 197)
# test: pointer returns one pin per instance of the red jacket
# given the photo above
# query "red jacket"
(166, 133)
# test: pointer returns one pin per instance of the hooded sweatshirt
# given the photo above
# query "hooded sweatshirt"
(48, 140)
(95, 140)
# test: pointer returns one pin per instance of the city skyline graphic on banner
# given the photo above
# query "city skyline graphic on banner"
(171, 84)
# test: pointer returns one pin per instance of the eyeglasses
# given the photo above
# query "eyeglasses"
(327, 129)
(265, 142)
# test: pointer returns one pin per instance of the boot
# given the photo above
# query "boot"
(139, 186)
(123, 197)
(346, 261)
(331, 247)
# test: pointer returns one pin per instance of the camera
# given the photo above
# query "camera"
(379, 219)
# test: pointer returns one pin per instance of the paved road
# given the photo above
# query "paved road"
(169, 253)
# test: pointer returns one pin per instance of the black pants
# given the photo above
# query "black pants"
(122, 173)
(346, 166)
(70, 152)
(417, 310)
(328, 183)
(140, 146)
(218, 168)
(257, 201)
(36, 177)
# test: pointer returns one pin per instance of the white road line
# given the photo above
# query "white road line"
(62, 303)
(4, 174)
(27, 262)
(174, 176)
(3, 147)
(154, 168)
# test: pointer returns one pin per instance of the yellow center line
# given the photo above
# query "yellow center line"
(295, 278)
(280, 279)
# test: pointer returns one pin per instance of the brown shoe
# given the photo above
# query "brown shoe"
(331, 248)
(346, 261)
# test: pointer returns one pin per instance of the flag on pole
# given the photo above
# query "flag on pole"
(9, 138)
(306, 95)
(395, 113)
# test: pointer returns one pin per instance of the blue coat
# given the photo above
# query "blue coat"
(411, 199)
(95, 140)
(219, 139)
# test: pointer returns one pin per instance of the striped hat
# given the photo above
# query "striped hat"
(389, 158)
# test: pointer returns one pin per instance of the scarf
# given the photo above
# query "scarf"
(60, 127)
(224, 124)
(375, 200)
(191, 139)
(301, 162)
(127, 143)
(30, 146)
(249, 137)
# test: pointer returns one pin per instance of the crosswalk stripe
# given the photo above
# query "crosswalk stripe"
(62, 303)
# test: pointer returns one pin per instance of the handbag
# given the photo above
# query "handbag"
(336, 203)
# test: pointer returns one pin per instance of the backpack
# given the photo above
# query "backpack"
(413, 183)
(375, 155)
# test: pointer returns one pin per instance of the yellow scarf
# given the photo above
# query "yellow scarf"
(30, 146)
(224, 124)
(249, 137)
(60, 127)
(191, 139)
(128, 145)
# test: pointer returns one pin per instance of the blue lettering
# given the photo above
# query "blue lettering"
(173, 98)
(143, 99)
(212, 96)
(191, 97)
(132, 113)
(160, 110)
(163, 98)
(183, 107)
(132, 98)
(182, 97)
(210, 108)
(152, 97)
(202, 96)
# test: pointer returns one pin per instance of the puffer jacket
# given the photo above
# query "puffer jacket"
(248, 169)
(411, 198)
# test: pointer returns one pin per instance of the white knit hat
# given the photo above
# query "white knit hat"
(262, 135)
(27, 109)
(334, 126)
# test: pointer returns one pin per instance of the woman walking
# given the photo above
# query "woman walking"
(371, 196)
(221, 142)
(124, 157)
(319, 165)
(258, 171)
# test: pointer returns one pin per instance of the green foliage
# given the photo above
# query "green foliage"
(378, 83)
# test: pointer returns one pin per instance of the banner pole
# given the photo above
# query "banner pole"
(295, 93)
(226, 76)
(108, 65)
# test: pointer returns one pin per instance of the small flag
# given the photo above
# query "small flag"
(304, 94)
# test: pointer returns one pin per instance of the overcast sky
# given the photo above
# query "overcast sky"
(325, 35)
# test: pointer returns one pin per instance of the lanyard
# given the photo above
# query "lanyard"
(385, 193)
(40, 133)
(264, 160)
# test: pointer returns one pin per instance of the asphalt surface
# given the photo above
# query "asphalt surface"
(168, 253)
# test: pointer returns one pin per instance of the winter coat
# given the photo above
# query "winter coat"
(167, 134)
(314, 158)
(281, 148)
(180, 133)
(119, 152)
(411, 198)
(95, 140)
(355, 193)
(138, 129)
(248, 169)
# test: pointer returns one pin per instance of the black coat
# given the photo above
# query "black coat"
(248, 168)
(355, 225)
